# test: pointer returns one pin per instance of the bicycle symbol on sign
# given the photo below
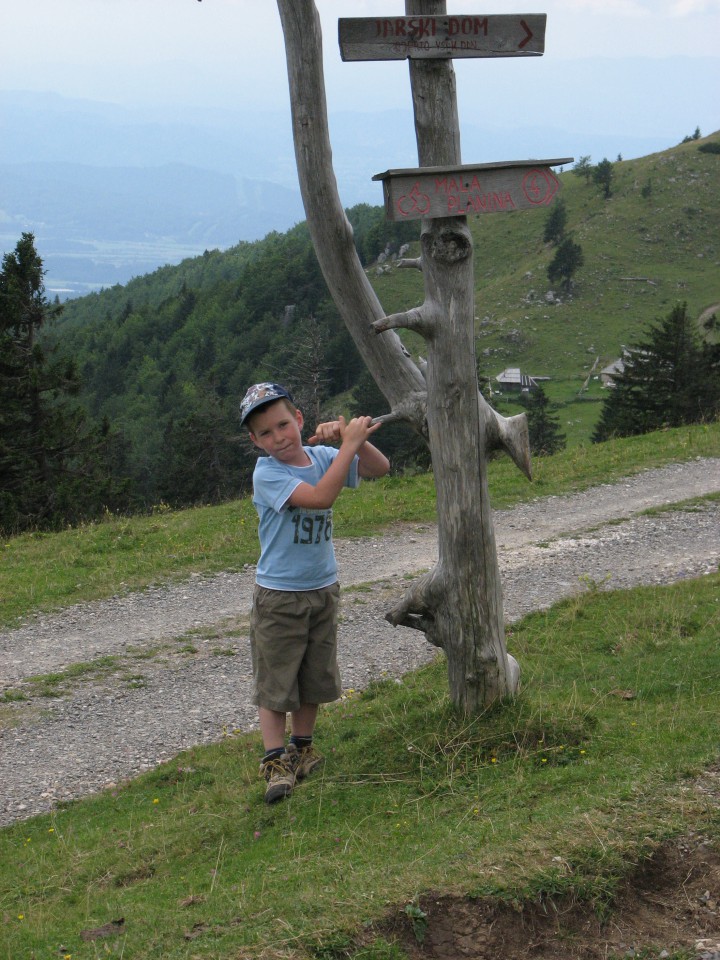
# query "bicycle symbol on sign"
(414, 203)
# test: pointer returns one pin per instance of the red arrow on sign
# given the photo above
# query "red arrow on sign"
(529, 36)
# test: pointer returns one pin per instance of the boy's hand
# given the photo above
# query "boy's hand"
(356, 431)
(330, 432)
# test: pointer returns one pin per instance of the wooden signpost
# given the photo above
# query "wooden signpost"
(424, 38)
(458, 603)
(434, 192)
(458, 191)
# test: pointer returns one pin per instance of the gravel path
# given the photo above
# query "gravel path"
(149, 674)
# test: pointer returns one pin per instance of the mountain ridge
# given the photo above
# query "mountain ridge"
(253, 146)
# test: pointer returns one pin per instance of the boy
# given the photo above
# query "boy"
(293, 629)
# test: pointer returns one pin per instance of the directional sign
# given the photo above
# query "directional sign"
(427, 38)
(434, 192)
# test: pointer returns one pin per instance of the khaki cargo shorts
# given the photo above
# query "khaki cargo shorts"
(293, 642)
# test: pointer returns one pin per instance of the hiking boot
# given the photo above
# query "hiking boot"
(280, 774)
(308, 760)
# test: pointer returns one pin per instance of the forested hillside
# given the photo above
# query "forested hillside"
(166, 357)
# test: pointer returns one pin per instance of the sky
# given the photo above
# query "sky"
(617, 78)
(228, 52)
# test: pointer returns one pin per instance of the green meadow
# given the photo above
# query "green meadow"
(560, 792)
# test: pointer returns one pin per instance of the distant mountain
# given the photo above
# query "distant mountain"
(96, 226)
(112, 191)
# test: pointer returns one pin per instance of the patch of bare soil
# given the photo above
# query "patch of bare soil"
(669, 904)
(668, 907)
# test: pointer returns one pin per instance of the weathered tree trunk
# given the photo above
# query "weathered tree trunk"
(458, 605)
(399, 378)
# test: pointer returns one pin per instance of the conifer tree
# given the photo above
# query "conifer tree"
(555, 223)
(49, 456)
(405, 449)
(568, 259)
(206, 459)
(669, 379)
(546, 437)
(603, 177)
(584, 168)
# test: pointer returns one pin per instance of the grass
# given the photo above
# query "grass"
(559, 791)
(45, 571)
(60, 683)
(590, 764)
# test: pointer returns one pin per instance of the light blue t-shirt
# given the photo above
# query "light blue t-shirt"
(296, 548)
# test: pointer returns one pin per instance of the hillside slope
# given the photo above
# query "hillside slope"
(165, 357)
(653, 242)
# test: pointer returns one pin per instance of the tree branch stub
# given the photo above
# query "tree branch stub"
(409, 263)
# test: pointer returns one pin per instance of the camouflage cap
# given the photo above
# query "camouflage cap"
(260, 394)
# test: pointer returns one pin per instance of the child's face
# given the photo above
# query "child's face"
(277, 430)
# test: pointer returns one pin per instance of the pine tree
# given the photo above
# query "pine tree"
(668, 379)
(603, 176)
(405, 449)
(555, 223)
(546, 437)
(306, 369)
(49, 456)
(568, 258)
(584, 168)
(207, 458)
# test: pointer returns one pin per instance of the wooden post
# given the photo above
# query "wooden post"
(458, 605)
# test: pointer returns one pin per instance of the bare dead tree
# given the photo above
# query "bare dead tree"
(458, 605)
